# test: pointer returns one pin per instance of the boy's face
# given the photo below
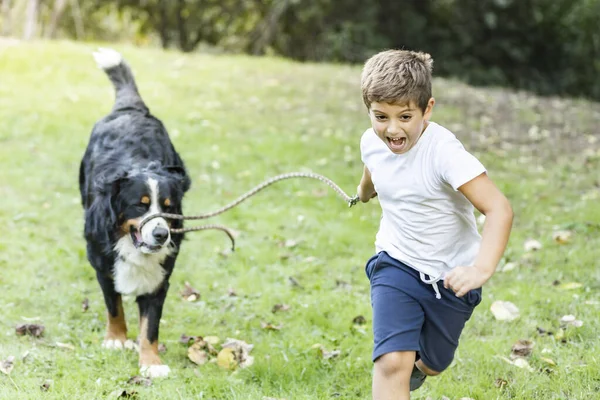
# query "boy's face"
(399, 126)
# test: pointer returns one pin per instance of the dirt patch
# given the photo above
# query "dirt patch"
(505, 120)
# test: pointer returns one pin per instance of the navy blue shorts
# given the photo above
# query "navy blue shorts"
(407, 316)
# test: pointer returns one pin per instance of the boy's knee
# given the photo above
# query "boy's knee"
(397, 362)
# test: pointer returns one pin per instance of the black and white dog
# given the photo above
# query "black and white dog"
(130, 170)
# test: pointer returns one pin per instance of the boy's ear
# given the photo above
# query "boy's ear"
(429, 109)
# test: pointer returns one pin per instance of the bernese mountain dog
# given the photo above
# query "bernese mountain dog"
(130, 170)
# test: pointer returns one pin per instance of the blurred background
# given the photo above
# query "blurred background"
(550, 47)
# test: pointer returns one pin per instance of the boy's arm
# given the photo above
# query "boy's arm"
(366, 188)
(488, 199)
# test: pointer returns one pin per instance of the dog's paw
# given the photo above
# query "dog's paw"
(107, 58)
(155, 371)
(118, 344)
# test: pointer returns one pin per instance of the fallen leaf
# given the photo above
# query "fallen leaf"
(542, 331)
(231, 292)
(85, 305)
(280, 307)
(504, 310)
(522, 363)
(212, 340)
(226, 359)
(46, 385)
(65, 346)
(162, 347)
(187, 339)
(295, 282)
(128, 394)
(324, 353)
(139, 380)
(269, 326)
(548, 361)
(197, 355)
(34, 330)
(241, 352)
(522, 348)
(500, 383)
(562, 237)
(532, 245)
(509, 266)
(360, 320)
(189, 293)
(7, 365)
(290, 243)
(570, 286)
(570, 320)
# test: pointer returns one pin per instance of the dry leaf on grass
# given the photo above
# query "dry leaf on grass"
(240, 351)
(139, 380)
(324, 353)
(562, 237)
(359, 320)
(34, 330)
(509, 266)
(123, 393)
(189, 293)
(570, 285)
(85, 305)
(280, 307)
(500, 383)
(270, 327)
(67, 346)
(518, 362)
(522, 348)
(570, 320)
(504, 310)
(46, 385)
(532, 245)
(7, 365)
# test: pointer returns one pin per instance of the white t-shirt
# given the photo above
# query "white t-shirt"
(426, 222)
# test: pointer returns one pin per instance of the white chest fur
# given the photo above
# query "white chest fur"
(136, 273)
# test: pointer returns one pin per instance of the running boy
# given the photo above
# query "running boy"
(431, 262)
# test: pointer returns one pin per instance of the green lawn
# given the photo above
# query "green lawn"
(237, 121)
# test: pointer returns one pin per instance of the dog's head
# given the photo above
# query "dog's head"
(125, 199)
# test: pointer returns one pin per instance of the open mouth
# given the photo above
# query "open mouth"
(397, 144)
(138, 242)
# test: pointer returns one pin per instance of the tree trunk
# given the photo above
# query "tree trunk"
(181, 26)
(163, 24)
(5, 10)
(269, 26)
(31, 17)
(76, 13)
(57, 13)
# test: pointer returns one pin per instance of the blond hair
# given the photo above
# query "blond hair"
(397, 77)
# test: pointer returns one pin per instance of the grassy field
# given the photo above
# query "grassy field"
(237, 121)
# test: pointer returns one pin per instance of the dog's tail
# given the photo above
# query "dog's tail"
(120, 74)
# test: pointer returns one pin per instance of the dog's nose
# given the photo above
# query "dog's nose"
(160, 234)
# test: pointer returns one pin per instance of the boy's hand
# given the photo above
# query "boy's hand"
(462, 279)
(364, 197)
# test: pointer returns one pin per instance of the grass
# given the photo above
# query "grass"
(237, 121)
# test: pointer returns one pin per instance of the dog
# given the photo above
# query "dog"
(130, 170)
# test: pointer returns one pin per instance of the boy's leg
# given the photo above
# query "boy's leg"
(445, 319)
(391, 376)
(397, 323)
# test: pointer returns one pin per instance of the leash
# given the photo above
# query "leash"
(349, 200)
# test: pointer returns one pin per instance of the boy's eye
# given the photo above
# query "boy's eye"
(405, 117)
(380, 117)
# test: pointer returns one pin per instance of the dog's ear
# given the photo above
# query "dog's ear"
(101, 216)
(180, 174)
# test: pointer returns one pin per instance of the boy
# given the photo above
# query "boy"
(431, 262)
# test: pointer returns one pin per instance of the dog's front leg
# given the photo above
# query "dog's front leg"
(116, 328)
(150, 307)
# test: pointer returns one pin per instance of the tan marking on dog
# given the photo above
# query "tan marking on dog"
(145, 200)
(126, 226)
(167, 202)
(116, 327)
(148, 350)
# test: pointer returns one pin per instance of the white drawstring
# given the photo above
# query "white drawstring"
(433, 282)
